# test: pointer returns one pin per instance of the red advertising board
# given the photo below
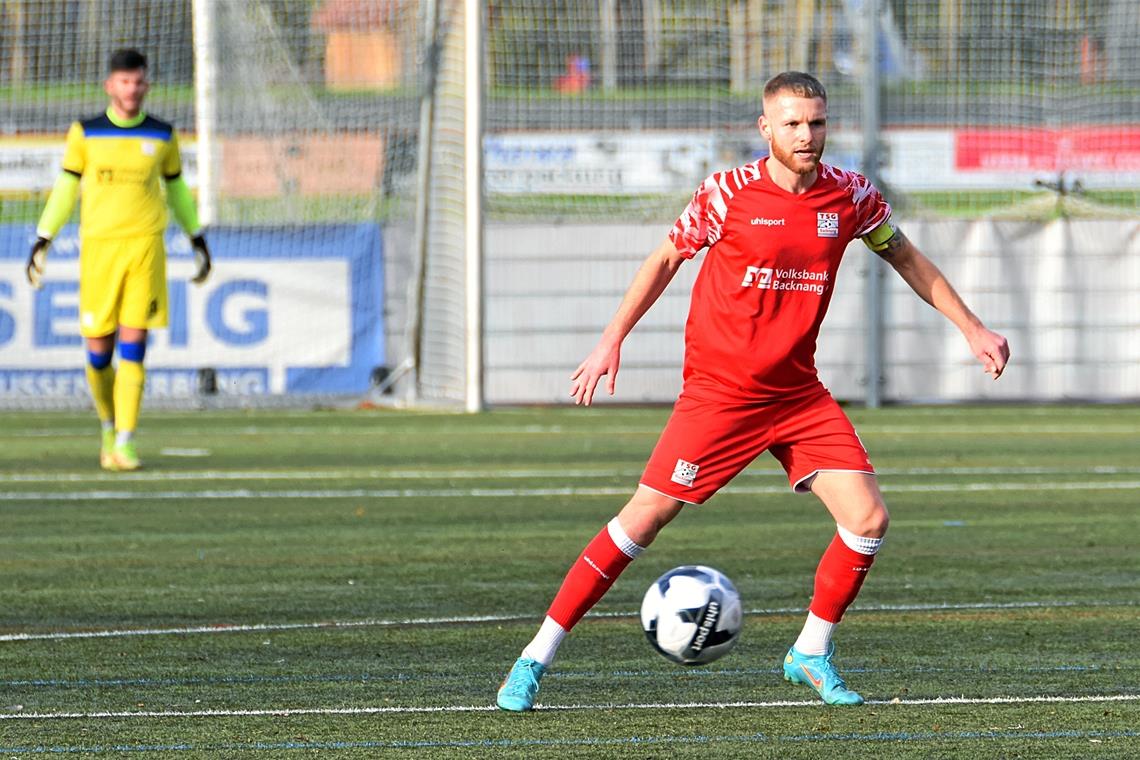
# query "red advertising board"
(1081, 149)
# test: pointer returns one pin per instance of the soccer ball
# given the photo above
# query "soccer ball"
(692, 615)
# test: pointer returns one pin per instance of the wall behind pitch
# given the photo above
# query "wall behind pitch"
(1063, 293)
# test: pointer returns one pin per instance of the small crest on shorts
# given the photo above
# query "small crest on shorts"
(685, 473)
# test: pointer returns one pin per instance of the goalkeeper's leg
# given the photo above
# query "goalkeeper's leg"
(99, 289)
(129, 381)
(101, 380)
(143, 306)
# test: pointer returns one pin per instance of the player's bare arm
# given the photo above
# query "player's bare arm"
(894, 245)
(648, 284)
(925, 279)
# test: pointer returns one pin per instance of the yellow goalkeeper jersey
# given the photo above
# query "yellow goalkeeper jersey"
(120, 164)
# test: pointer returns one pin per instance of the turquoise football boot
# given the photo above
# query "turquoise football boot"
(521, 685)
(818, 672)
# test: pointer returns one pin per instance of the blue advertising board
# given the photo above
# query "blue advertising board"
(292, 309)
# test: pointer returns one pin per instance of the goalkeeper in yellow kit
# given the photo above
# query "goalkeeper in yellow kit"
(118, 159)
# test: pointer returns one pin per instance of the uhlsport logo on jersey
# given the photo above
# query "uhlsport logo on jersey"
(759, 221)
(685, 473)
(827, 224)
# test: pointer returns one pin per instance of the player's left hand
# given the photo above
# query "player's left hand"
(202, 263)
(992, 349)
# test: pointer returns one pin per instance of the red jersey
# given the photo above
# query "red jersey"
(767, 279)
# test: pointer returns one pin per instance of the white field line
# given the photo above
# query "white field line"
(396, 710)
(461, 619)
(620, 410)
(506, 493)
(380, 430)
(949, 409)
(493, 473)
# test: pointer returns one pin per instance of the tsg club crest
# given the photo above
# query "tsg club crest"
(685, 473)
(827, 224)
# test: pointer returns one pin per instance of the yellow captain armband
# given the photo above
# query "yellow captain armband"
(878, 238)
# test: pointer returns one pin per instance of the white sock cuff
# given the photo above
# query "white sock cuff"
(815, 638)
(546, 642)
(861, 544)
(623, 542)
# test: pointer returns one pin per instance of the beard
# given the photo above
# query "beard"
(799, 163)
(129, 103)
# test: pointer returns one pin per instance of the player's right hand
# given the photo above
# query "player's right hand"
(202, 264)
(603, 360)
(37, 262)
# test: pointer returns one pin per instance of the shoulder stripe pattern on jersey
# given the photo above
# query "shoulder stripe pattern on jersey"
(702, 222)
(149, 128)
(862, 194)
(131, 132)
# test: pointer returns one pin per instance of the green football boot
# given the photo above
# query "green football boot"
(106, 461)
(124, 457)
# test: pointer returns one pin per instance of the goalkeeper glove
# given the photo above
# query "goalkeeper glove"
(37, 261)
(202, 263)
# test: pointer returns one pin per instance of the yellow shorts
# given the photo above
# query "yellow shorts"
(122, 281)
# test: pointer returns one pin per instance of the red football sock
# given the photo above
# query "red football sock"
(840, 574)
(590, 577)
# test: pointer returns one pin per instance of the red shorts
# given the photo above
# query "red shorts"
(707, 442)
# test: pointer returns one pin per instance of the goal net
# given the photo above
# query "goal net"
(299, 126)
(607, 107)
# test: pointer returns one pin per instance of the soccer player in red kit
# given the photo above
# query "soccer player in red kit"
(775, 231)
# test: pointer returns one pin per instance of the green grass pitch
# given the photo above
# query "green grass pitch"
(356, 583)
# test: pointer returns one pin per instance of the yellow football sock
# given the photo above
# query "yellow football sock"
(129, 381)
(102, 384)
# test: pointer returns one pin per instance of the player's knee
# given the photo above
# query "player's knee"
(133, 351)
(99, 359)
(881, 523)
(646, 514)
(874, 524)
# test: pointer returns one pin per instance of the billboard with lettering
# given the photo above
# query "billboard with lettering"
(286, 310)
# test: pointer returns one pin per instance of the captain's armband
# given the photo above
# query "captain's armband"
(884, 239)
